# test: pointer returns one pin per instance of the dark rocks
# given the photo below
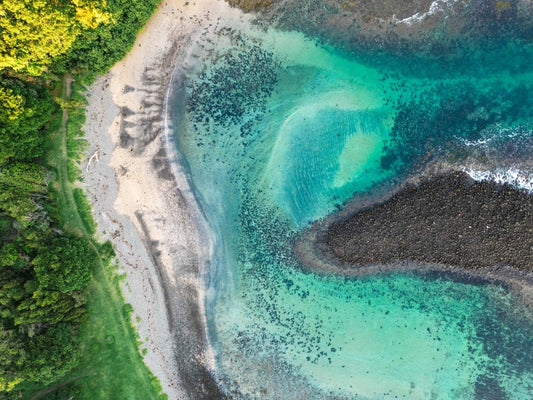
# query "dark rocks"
(249, 5)
(240, 82)
(448, 220)
(432, 28)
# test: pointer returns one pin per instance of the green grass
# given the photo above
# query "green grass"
(111, 365)
(75, 123)
(73, 171)
(110, 354)
(84, 210)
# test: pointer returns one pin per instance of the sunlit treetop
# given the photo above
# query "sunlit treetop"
(11, 105)
(90, 14)
(34, 32)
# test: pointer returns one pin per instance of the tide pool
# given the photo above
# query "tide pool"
(279, 131)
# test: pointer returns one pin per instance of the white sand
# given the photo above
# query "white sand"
(160, 236)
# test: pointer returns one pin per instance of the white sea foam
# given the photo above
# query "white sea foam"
(436, 7)
(509, 133)
(513, 176)
(478, 142)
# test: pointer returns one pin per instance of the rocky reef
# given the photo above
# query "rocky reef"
(449, 219)
(440, 28)
(249, 5)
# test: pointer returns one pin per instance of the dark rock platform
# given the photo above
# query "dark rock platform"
(449, 219)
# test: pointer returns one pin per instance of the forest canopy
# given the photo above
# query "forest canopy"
(35, 32)
(45, 265)
(24, 109)
(37, 36)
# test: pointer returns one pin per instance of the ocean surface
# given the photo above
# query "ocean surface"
(279, 130)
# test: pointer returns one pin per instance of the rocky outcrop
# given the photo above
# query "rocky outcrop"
(449, 219)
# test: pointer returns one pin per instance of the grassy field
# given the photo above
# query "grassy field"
(110, 352)
(111, 364)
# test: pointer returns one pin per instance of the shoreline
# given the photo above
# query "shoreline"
(142, 199)
(520, 282)
(338, 243)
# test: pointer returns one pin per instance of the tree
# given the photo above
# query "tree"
(43, 272)
(65, 264)
(45, 307)
(91, 13)
(96, 50)
(41, 359)
(20, 184)
(11, 105)
(35, 32)
(24, 109)
(12, 291)
(8, 255)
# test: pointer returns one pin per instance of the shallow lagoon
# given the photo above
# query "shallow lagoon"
(280, 131)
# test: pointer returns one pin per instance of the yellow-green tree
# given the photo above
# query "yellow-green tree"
(11, 104)
(91, 13)
(34, 32)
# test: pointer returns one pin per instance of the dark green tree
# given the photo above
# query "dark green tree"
(41, 358)
(96, 50)
(65, 264)
(24, 109)
(21, 187)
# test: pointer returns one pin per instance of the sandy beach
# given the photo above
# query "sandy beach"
(142, 200)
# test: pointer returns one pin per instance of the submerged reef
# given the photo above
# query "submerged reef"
(249, 5)
(240, 83)
(449, 219)
(438, 28)
(366, 109)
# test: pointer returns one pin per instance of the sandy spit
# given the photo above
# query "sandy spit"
(142, 200)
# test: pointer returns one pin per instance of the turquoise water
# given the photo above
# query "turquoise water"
(280, 131)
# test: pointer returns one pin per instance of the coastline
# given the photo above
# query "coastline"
(143, 202)
(410, 231)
